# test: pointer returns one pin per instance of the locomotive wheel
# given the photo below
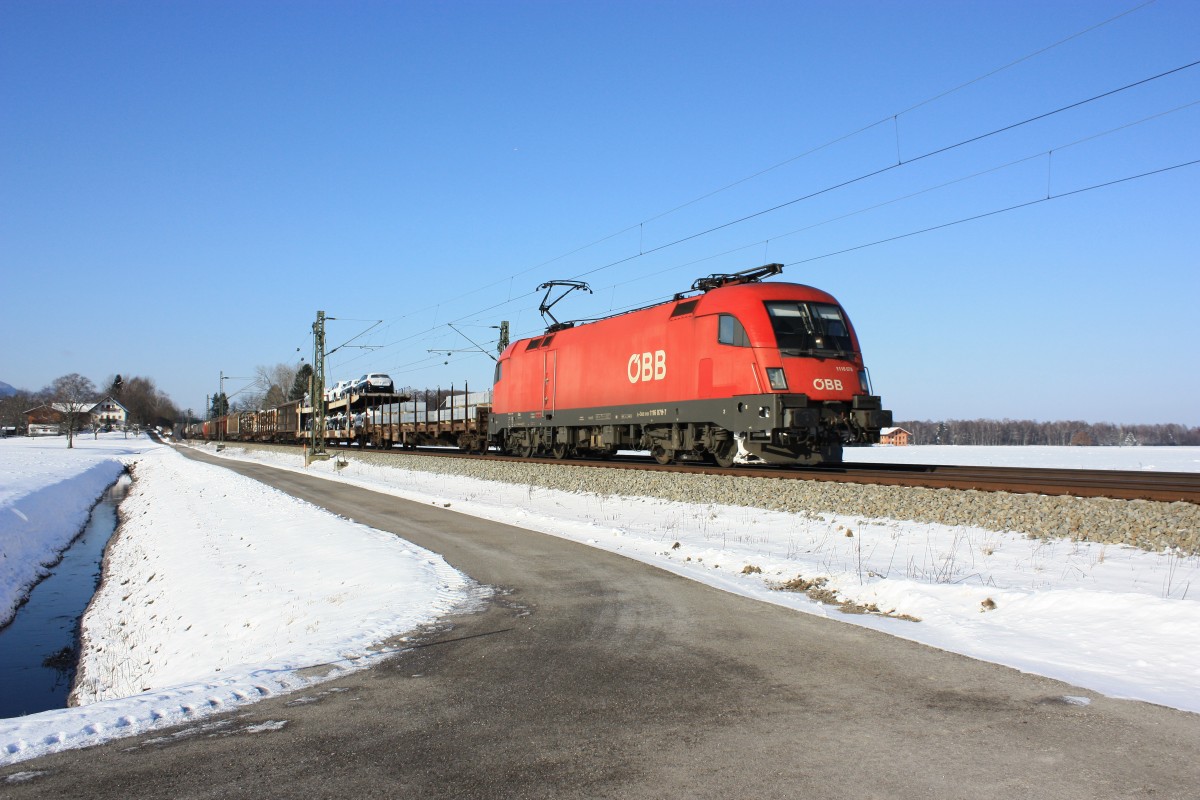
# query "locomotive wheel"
(722, 454)
(559, 450)
(662, 456)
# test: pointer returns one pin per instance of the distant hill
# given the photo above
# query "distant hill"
(6, 390)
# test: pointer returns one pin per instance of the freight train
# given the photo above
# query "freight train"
(736, 371)
(376, 419)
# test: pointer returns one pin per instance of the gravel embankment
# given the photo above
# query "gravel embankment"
(1141, 523)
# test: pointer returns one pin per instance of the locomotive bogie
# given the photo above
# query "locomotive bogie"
(771, 428)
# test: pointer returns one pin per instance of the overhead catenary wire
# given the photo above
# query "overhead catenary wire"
(356, 336)
(779, 164)
(994, 212)
(1027, 57)
(865, 176)
(873, 173)
(928, 229)
(889, 168)
(951, 223)
(644, 252)
(792, 159)
(880, 171)
(1022, 160)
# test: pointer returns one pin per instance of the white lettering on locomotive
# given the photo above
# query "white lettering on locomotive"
(647, 366)
(827, 384)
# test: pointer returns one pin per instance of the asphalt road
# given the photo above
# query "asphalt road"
(590, 675)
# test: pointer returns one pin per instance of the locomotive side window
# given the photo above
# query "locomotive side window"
(810, 329)
(534, 344)
(730, 331)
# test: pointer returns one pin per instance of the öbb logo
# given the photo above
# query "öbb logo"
(647, 366)
(827, 384)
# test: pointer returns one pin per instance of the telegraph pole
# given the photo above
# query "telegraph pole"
(220, 429)
(316, 448)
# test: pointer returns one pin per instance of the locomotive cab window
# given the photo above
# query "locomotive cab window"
(730, 331)
(810, 329)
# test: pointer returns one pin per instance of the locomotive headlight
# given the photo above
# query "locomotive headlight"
(776, 378)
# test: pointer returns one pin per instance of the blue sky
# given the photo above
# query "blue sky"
(183, 185)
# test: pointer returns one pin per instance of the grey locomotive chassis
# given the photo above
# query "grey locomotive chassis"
(776, 428)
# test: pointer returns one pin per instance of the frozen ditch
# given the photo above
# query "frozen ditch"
(39, 650)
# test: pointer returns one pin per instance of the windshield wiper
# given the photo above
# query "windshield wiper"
(816, 352)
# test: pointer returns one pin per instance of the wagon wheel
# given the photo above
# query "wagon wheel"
(723, 453)
(662, 455)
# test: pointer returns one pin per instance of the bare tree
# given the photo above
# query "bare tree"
(73, 396)
(275, 397)
(146, 404)
(274, 383)
(13, 408)
(1058, 433)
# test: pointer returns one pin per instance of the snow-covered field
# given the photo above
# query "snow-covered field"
(1152, 459)
(1111, 620)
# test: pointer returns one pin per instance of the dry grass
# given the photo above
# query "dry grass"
(815, 589)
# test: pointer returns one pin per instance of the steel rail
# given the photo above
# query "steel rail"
(1168, 487)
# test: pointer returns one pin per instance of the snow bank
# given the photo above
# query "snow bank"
(1134, 459)
(46, 494)
(220, 591)
(212, 572)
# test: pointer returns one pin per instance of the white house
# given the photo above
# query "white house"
(109, 412)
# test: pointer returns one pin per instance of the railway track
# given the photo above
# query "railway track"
(1116, 484)
(1121, 485)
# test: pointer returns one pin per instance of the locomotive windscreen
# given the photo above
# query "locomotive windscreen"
(809, 329)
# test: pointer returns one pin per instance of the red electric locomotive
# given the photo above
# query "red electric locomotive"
(765, 370)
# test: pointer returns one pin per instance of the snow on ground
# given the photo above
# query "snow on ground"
(1153, 459)
(1113, 620)
(220, 591)
(46, 494)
